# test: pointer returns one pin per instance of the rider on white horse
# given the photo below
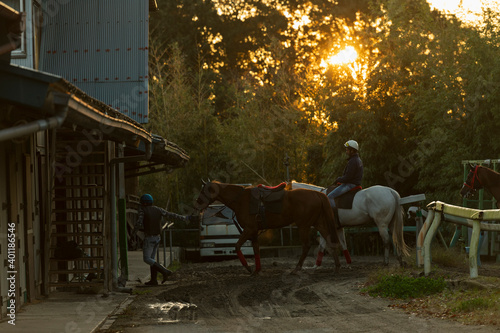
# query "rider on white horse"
(353, 172)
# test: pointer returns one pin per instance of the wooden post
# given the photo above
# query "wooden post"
(421, 237)
(428, 240)
(473, 249)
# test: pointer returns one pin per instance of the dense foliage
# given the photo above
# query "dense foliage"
(243, 86)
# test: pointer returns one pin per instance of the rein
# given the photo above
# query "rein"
(217, 212)
(210, 200)
(474, 177)
(236, 223)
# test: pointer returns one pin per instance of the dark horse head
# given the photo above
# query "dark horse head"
(207, 196)
(472, 183)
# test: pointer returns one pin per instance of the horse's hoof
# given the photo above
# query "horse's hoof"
(294, 272)
(248, 269)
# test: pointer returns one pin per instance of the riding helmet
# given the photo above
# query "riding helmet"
(351, 144)
(147, 199)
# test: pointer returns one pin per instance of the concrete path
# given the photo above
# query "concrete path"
(64, 312)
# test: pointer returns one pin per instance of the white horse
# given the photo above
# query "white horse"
(378, 204)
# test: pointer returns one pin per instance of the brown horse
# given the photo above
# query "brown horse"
(305, 208)
(479, 177)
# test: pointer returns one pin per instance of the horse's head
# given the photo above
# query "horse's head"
(208, 194)
(472, 183)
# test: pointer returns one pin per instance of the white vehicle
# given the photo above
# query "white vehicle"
(219, 233)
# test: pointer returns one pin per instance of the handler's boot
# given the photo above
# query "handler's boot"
(154, 275)
(165, 272)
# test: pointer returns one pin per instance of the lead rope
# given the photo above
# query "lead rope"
(236, 223)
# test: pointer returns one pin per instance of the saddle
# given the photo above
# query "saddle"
(266, 199)
(345, 200)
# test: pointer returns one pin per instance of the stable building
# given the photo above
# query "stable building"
(73, 104)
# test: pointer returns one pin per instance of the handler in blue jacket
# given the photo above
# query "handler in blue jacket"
(150, 221)
(353, 172)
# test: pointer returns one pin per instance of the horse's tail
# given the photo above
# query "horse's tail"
(397, 227)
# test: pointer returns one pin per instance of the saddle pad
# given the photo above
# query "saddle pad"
(273, 188)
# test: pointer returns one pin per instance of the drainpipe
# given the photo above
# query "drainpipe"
(114, 253)
(122, 220)
(61, 111)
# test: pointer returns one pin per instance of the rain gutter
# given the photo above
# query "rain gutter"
(39, 91)
(115, 129)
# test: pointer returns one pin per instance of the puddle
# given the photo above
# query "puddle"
(173, 312)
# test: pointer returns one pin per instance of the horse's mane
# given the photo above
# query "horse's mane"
(491, 170)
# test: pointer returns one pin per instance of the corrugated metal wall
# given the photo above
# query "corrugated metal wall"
(101, 46)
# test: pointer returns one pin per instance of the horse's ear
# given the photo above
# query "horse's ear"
(203, 182)
(471, 166)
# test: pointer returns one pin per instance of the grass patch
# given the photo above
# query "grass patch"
(404, 287)
(448, 293)
(475, 304)
(476, 307)
(472, 307)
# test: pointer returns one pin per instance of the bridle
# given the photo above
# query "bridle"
(201, 206)
(474, 178)
(210, 199)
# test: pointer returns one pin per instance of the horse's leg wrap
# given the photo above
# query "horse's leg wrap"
(242, 258)
(257, 263)
(347, 256)
(319, 258)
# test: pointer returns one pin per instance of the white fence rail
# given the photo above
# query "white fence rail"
(473, 218)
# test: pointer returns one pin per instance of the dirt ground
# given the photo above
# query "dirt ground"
(223, 297)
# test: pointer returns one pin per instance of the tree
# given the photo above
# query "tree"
(244, 84)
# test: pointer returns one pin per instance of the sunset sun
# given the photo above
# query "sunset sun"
(346, 56)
